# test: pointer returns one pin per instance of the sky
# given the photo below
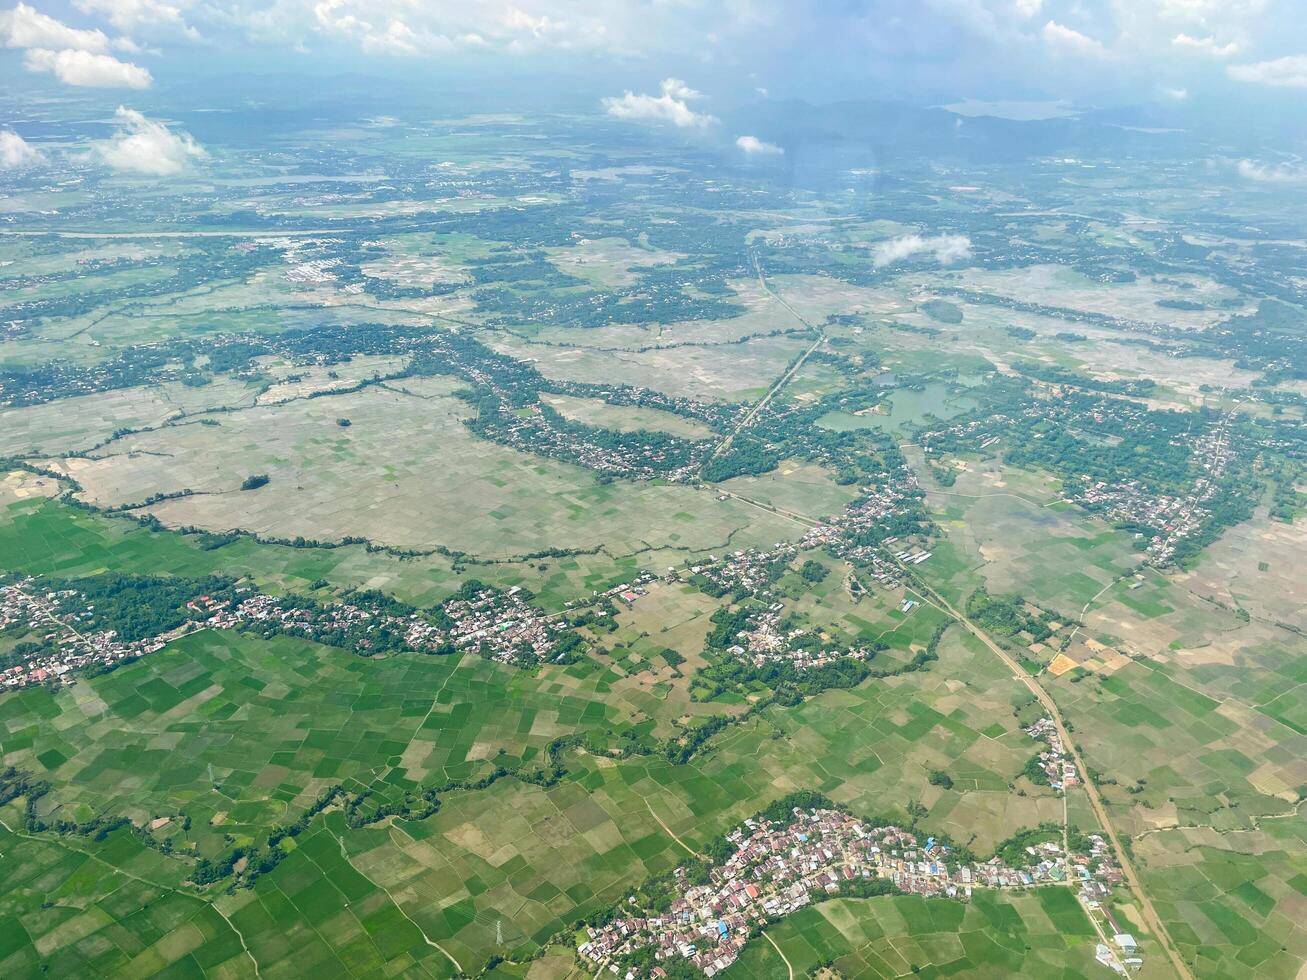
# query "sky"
(673, 62)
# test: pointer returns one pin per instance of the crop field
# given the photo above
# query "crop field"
(257, 729)
(1256, 567)
(1235, 901)
(1040, 933)
(77, 913)
(120, 909)
(1209, 792)
(77, 424)
(440, 486)
(1063, 356)
(1064, 287)
(857, 744)
(46, 537)
(609, 262)
(761, 316)
(254, 730)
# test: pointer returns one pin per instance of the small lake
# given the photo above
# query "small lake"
(938, 399)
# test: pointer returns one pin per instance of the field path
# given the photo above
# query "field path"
(780, 953)
(670, 833)
(1151, 918)
(394, 901)
(239, 935)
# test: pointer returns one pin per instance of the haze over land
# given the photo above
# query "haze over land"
(555, 489)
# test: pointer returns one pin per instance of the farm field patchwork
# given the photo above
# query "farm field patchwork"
(556, 541)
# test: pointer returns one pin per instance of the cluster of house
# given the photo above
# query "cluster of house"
(780, 867)
(306, 260)
(498, 624)
(1172, 518)
(63, 647)
(626, 592)
(747, 570)
(1055, 761)
(857, 533)
(767, 641)
(344, 624)
(1097, 872)
(501, 625)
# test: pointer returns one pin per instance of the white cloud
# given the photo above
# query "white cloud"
(1268, 173)
(1207, 45)
(73, 55)
(16, 152)
(128, 14)
(1071, 41)
(946, 249)
(1290, 72)
(86, 69)
(415, 28)
(144, 146)
(384, 35)
(1177, 94)
(752, 145)
(671, 106)
(26, 27)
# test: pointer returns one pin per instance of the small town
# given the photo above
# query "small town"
(778, 867)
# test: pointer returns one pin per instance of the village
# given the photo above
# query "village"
(64, 648)
(1174, 518)
(769, 640)
(1164, 520)
(1054, 762)
(501, 625)
(746, 572)
(633, 456)
(778, 867)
